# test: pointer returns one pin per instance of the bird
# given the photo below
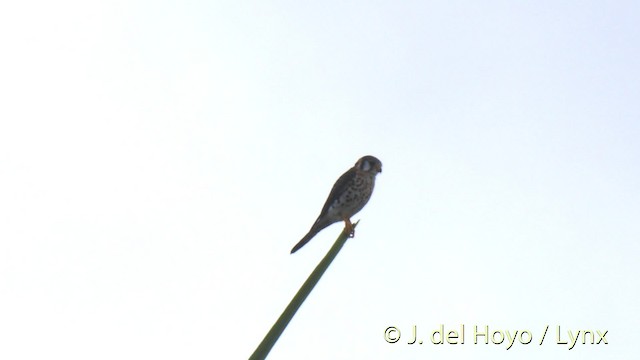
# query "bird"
(349, 194)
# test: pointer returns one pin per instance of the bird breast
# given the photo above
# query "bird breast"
(353, 199)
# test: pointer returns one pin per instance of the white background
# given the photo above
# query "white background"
(158, 160)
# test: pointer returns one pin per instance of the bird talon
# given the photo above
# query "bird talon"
(348, 228)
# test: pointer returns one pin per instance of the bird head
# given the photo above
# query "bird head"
(369, 164)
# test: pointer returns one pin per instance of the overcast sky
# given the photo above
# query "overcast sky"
(158, 160)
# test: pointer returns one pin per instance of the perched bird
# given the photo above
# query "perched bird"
(348, 196)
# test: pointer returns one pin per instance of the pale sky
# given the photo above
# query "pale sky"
(158, 160)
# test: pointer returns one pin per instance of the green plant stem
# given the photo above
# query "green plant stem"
(272, 336)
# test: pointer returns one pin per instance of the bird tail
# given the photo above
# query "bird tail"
(305, 240)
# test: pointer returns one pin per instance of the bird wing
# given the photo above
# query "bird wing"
(339, 187)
